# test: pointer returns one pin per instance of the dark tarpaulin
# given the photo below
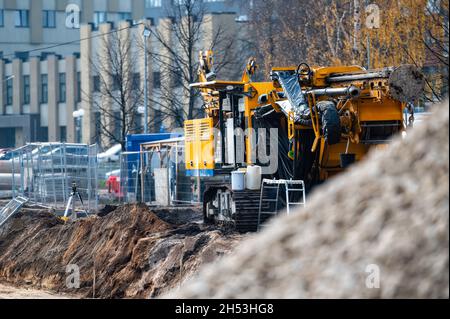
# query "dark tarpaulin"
(291, 86)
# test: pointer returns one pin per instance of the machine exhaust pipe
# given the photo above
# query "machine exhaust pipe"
(351, 91)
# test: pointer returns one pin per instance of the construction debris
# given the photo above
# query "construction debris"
(379, 231)
(131, 252)
(11, 208)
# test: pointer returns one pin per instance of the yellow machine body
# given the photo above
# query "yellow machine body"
(373, 107)
(199, 146)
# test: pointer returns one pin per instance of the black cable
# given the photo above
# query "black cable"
(75, 41)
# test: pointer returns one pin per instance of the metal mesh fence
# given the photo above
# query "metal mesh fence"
(108, 175)
(45, 172)
(145, 175)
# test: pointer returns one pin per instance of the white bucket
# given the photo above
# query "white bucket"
(238, 181)
(254, 177)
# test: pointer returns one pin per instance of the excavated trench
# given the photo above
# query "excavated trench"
(124, 252)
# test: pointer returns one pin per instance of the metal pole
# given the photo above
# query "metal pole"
(53, 176)
(33, 180)
(122, 179)
(141, 169)
(74, 213)
(368, 52)
(13, 174)
(96, 176)
(89, 178)
(63, 162)
(145, 85)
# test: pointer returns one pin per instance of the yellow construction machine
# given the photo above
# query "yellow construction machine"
(307, 123)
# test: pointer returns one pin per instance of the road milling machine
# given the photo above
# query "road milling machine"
(310, 122)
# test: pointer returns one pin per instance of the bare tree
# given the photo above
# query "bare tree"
(317, 33)
(356, 29)
(177, 44)
(117, 90)
(436, 41)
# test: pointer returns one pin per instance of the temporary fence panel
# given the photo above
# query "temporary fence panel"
(47, 171)
(137, 176)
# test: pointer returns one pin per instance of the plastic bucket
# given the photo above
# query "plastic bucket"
(238, 181)
(253, 177)
(347, 160)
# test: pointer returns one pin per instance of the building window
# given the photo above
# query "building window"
(99, 17)
(96, 83)
(42, 135)
(98, 127)
(117, 83)
(125, 16)
(117, 124)
(78, 87)
(21, 18)
(136, 81)
(153, 3)
(9, 92)
(44, 88)
(63, 133)
(156, 80)
(26, 89)
(2, 19)
(49, 19)
(177, 79)
(158, 122)
(62, 88)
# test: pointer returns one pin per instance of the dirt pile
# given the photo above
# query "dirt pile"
(379, 231)
(135, 252)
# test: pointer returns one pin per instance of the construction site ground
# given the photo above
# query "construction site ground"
(380, 230)
(10, 292)
(130, 251)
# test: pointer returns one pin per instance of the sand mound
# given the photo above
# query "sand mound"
(388, 214)
(135, 252)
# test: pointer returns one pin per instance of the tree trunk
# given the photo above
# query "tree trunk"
(356, 30)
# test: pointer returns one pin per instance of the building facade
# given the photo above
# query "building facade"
(158, 9)
(40, 73)
(38, 99)
(101, 67)
(46, 71)
(42, 25)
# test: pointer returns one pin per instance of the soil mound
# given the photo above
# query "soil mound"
(128, 253)
(379, 231)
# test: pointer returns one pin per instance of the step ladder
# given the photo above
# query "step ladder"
(290, 186)
(11, 208)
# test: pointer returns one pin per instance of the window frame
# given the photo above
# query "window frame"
(96, 84)
(78, 87)
(2, 18)
(62, 88)
(44, 93)
(45, 19)
(153, 4)
(24, 18)
(136, 81)
(156, 80)
(63, 133)
(129, 16)
(26, 90)
(97, 15)
(9, 90)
